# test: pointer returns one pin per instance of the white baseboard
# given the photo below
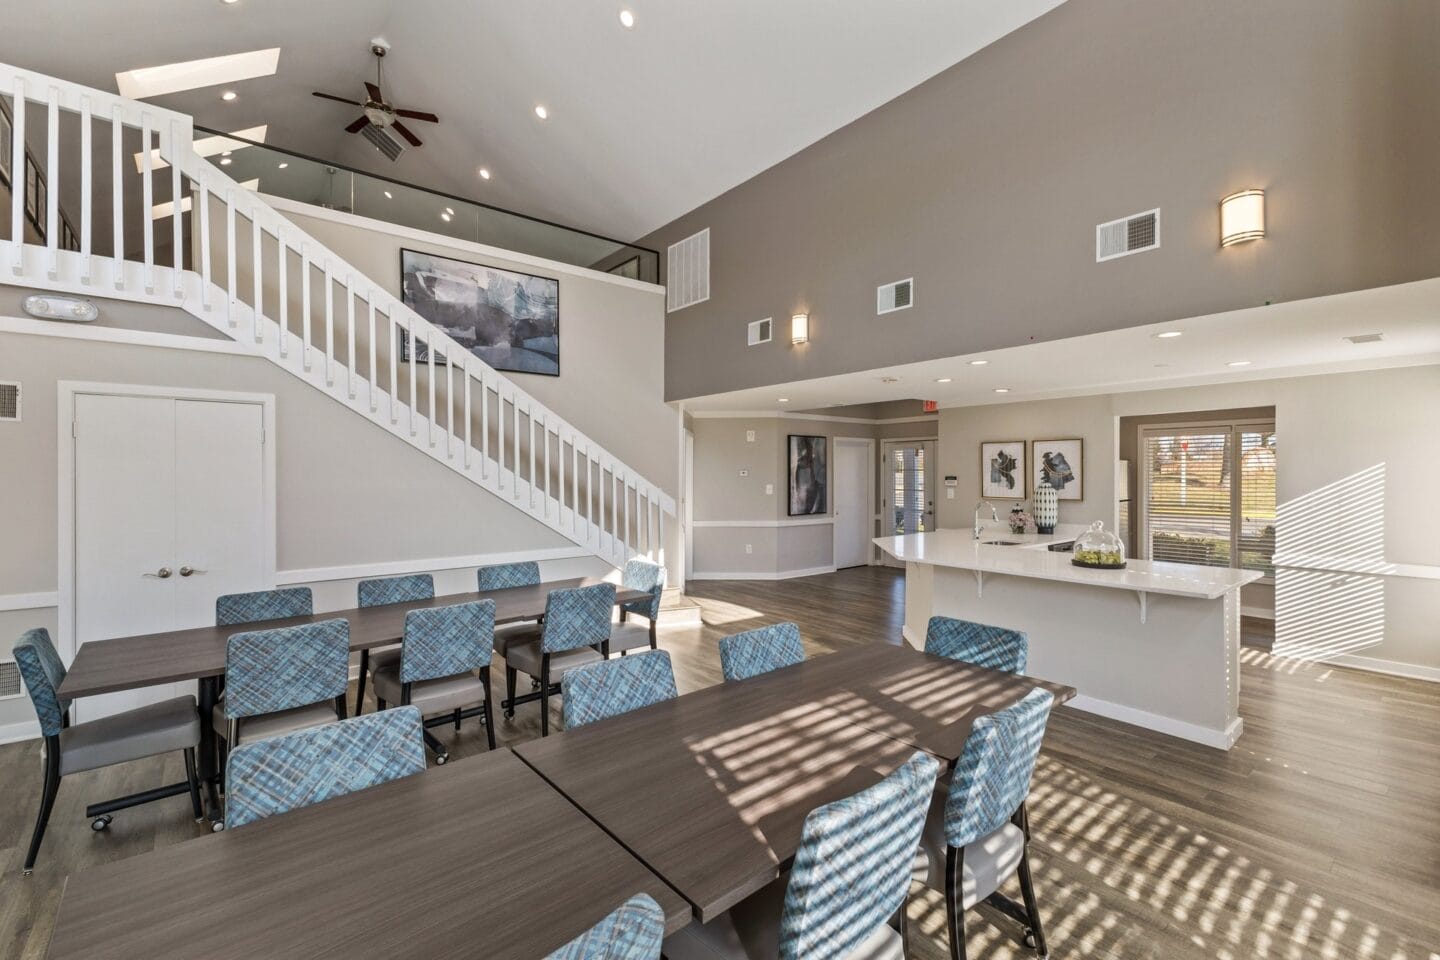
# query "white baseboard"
(1219, 739)
(1259, 613)
(1394, 668)
(29, 601)
(397, 568)
(23, 730)
(763, 574)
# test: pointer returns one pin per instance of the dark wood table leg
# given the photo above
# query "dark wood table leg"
(209, 770)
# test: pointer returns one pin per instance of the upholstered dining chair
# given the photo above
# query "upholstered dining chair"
(981, 644)
(237, 608)
(633, 931)
(503, 576)
(977, 834)
(639, 574)
(598, 691)
(444, 666)
(132, 735)
(377, 593)
(848, 885)
(299, 769)
(749, 654)
(576, 625)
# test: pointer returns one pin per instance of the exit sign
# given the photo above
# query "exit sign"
(931, 406)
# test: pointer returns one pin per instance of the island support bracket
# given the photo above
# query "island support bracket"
(1144, 599)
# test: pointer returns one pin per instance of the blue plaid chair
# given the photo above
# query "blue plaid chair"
(378, 593)
(574, 631)
(503, 576)
(749, 654)
(307, 767)
(977, 643)
(132, 735)
(639, 575)
(444, 667)
(237, 608)
(600, 690)
(978, 828)
(634, 931)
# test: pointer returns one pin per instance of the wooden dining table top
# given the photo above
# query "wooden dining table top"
(432, 866)
(126, 663)
(711, 789)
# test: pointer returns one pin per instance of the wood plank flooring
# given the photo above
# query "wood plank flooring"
(1317, 836)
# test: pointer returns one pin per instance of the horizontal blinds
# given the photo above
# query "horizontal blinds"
(1256, 528)
(908, 465)
(1187, 497)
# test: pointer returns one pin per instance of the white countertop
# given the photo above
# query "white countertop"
(960, 550)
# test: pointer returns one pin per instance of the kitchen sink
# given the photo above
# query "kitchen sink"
(1001, 543)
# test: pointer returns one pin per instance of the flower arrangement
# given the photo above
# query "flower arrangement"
(1020, 521)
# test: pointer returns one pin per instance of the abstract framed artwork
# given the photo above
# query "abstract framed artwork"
(1062, 464)
(808, 476)
(5, 147)
(1002, 469)
(510, 320)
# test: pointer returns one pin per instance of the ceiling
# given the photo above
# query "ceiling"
(1284, 339)
(645, 124)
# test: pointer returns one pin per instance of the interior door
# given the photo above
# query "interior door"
(853, 510)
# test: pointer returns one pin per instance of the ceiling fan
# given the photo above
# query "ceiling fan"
(377, 111)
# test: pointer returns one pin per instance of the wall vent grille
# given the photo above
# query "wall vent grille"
(9, 401)
(1367, 338)
(759, 331)
(383, 141)
(899, 295)
(10, 686)
(687, 272)
(1133, 234)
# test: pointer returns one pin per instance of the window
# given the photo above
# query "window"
(1208, 494)
(908, 491)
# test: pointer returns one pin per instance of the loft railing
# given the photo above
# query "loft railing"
(230, 259)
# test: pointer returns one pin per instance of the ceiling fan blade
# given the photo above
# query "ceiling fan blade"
(331, 96)
(373, 91)
(417, 115)
(404, 131)
(358, 125)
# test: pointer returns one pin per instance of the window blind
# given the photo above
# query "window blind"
(908, 465)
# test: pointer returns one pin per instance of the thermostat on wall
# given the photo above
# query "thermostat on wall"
(951, 482)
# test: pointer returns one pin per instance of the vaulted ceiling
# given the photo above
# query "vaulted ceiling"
(645, 123)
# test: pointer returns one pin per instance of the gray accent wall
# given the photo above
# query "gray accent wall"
(986, 183)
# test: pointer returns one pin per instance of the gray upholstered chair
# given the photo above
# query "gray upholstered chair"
(237, 608)
(377, 593)
(598, 691)
(504, 576)
(627, 635)
(444, 667)
(132, 735)
(749, 654)
(633, 931)
(576, 626)
(998, 648)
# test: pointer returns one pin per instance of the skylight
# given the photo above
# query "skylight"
(175, 77)
(162, 210)
(209, 146)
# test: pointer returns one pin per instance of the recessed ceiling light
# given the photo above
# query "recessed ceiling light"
(1162, 364)
(209, 146)
(389, 195)
(627, 19)
(228, 95)
(445, 217)
(1169, 335)
(174, 77)
(978, 363)
(228, 2)
(541, 112)
(224, 153)
(944, 380)
(484, 174)
(1002, 389)
(282, 166)
(225, 161)
(450, 210)
(1238, 363)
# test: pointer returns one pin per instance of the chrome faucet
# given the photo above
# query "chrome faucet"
(994, 515)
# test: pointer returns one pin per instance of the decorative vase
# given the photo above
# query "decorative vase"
(1047, 507)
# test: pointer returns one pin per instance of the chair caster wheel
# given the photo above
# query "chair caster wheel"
(534, 684)
(217, 827)
(441, 759)
(509, 714)
(26, 873)
(101, 822)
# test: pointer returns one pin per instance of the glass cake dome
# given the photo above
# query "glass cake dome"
(1098, 547)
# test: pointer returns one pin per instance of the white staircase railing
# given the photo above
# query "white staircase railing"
(231, 260)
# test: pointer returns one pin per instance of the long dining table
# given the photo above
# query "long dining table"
(130, 663)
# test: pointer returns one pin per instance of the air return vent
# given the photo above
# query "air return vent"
(9, 401)
(899, 295)
(9, 680)
(687, 272)
(1366, 338)
(1133, 234)
(382, 140)
(759, 332)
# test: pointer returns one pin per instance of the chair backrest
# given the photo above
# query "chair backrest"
(992, 777)
(444, 641)
(607, 689)
(43, 672)
(641, 574)
(634, 931)
(761, 650)
(377, 593)
(233, 608)
(852, 869)
(298, 769)
(271, 670)
(503, 576)
(577, 617)
(977, 643)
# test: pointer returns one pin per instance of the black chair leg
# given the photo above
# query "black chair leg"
(193, 777)
(954, 889)
(508, 704)
(545, 696)
(457, 719)
(360, 682)
(47, 799)
(379, 704)
(487, 715)
(1035, 936)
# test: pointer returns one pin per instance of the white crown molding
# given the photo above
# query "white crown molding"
(140, 338)
(29, 601)
(823, 418)
(752, 524)
(397, 568)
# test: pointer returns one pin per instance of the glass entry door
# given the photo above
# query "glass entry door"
(908, 492)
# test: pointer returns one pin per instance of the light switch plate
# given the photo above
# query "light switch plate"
(949, 493)
(749, 548)
(769, 489)
(749, 436)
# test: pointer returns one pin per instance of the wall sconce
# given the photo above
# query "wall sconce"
(800, 328)
(1242, 217)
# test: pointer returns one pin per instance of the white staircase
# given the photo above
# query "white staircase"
(229, 259)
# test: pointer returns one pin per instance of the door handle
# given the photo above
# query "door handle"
(187, 571)
(162, 574)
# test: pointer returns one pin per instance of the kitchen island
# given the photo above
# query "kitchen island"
(1155, 644)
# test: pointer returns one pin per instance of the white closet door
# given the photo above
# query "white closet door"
(853, 510)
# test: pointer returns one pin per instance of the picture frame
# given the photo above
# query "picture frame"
(1003, 473)
(509, 319)
(6, 146)
(32, 189)
(807, 472)
(1062, 462)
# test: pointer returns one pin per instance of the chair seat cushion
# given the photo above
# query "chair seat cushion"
(629, 636)
(142, 732)
(508, 633)
(274, 724)
(989, 861)
(383, 656)
(431, 696)
(524, 655)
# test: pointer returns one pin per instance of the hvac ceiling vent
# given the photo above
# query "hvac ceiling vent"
(9, 680)
(1133, 234)
(9, 401)
(687, 272)
(381, 139)
(1367, 338)
(759, 331)
(899, 295)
